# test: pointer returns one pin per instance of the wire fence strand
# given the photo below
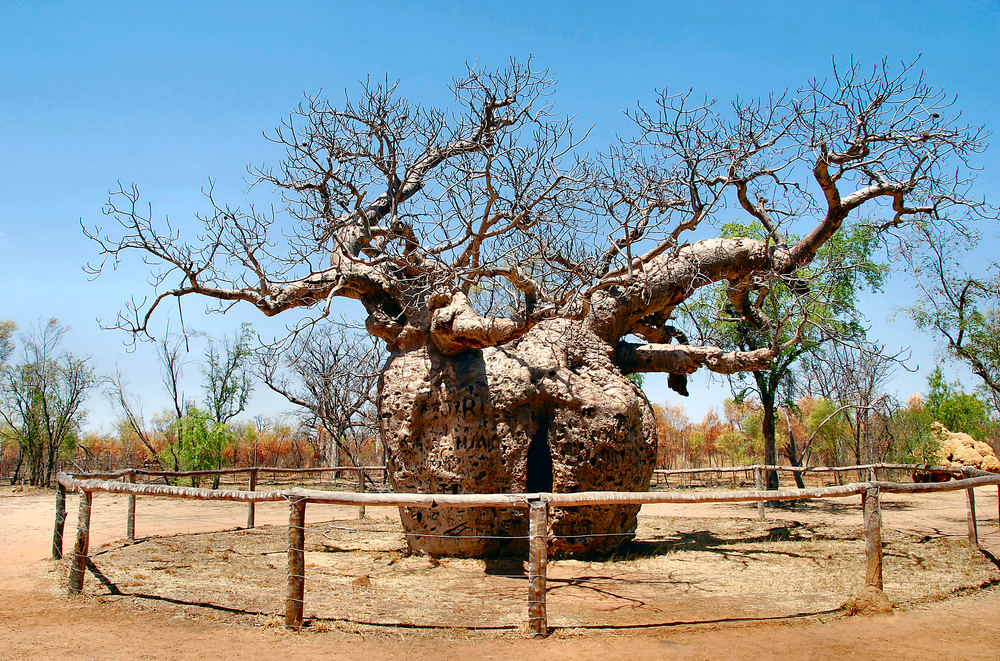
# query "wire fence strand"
(548, 534)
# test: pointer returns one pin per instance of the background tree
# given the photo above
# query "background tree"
(910, 427)
(42, 399)
(961, 309)
(7, 329)
(132, 423)
(957, 410)
(509, 273)
(800, 316)
(824, 426)
(228, 383)
(227, 375)
(202, 442)
(673, 428)
(167, 425)
(854, 377)
(170, 350)
(331, 371)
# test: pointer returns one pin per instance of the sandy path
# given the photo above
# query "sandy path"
(38, 621)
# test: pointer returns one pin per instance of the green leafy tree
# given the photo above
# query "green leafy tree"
(735, 446)
(793, 317)
(746, 417)
(202, 442)
(957, 410)
(227, 382)
(910, 427)
(227, 385)
(827, 426)
(7, 329)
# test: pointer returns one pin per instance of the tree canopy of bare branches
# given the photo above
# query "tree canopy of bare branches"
(471, 225)
(331, 371)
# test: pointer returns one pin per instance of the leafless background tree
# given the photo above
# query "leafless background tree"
(330, 371)
(855, 377)
(960, 308)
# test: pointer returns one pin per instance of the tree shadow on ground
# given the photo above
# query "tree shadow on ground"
(604, 586)
(685, 623)
(706, 540)
(838, 507)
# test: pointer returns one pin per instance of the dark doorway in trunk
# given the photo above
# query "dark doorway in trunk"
(540, 459)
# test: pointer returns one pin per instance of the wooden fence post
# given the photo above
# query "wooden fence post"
(296, 562)
(973, 529)
(758, 480)
(60, 523)
(252, 506)
(873, 538)
(361, 489)
(130, 517)
(78, 566)
(538, 551)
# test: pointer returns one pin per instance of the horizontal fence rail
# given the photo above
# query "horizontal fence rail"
(231, 471)
(957, 470)
(253, 472)
(537, 504)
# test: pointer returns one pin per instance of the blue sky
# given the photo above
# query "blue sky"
(170, 95)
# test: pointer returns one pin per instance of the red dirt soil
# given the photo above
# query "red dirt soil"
(38, 620)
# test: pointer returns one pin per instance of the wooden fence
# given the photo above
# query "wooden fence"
(537, 504)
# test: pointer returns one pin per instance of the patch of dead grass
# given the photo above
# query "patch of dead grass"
(679, 570)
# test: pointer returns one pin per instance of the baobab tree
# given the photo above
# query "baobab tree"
(517, 282)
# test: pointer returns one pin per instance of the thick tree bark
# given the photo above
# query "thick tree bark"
(549, 412)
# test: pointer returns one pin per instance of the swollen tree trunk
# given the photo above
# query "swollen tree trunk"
(548, 412)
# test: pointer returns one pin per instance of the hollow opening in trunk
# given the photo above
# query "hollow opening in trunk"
(540, 459)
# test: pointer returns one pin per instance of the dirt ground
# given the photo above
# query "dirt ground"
(704, 581)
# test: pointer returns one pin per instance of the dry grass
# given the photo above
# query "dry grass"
(725, 567)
